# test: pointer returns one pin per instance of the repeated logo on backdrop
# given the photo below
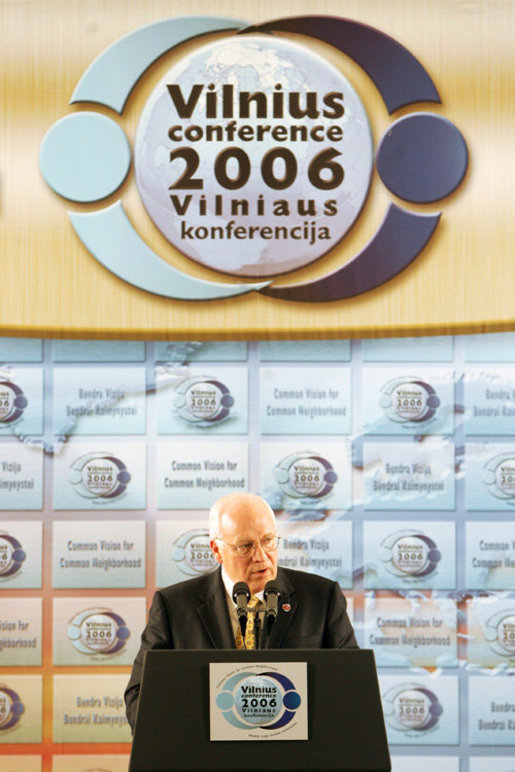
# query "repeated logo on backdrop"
(499, 631)
(203, 400)
(12, 555)
(301, 475)
(11, 708)
(254, 157)
(409, 400)
(409, 554)
(499, 477)
(411, 708)
(12, 402)
(99, 476)
(192, 553)
(98, 631)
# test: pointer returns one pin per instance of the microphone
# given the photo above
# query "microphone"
(241, 596)
(271, 595)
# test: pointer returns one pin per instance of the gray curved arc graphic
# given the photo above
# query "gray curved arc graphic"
(398, 75)
(399, 239)
(110, 237)
(111, 77)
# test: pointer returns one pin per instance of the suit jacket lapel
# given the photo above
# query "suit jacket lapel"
(286, 612)
(214, 614)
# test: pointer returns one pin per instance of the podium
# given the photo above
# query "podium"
(345, 722)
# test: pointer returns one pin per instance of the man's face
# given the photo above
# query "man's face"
(243, 522)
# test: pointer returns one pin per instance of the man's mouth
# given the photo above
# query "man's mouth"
(260, 574)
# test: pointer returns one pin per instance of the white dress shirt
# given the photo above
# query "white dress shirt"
(231, 605)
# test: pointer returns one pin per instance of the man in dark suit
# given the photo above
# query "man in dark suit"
(200, 613)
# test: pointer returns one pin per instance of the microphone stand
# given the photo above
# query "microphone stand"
(272, 595)
(241, 596)
(265, 633)
(257, 628)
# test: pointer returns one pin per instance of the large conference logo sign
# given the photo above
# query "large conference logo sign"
(253, 157)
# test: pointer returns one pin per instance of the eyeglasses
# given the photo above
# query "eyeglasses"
(268, 544)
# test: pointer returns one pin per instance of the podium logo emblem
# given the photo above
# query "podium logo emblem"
(266, 700)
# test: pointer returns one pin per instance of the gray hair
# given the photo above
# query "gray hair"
(218, 508)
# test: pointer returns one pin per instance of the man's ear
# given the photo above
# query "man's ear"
(215, 549)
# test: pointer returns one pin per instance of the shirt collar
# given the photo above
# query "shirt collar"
(229, 584)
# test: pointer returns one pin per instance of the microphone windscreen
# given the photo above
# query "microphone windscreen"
(271, 588)
(240, 588)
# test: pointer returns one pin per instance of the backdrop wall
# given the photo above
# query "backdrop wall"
(390, 465)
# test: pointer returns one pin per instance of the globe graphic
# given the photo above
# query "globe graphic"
(253, 230)
(258, 700)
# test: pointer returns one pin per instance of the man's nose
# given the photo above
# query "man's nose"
(259, 552)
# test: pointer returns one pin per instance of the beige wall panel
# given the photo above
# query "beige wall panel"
(462, 282)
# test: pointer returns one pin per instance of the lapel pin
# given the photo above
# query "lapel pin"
(286, 607)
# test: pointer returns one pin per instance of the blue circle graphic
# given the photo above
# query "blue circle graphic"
(436, 710)
(123, 633)
(17, 708)
(225, 701)
(85, 157)
(258, 700)
(292, 700)
(422, 158)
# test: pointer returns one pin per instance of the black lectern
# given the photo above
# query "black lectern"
(345, 722)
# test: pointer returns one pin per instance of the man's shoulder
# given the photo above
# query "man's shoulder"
(301, 579)
(198, 585)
